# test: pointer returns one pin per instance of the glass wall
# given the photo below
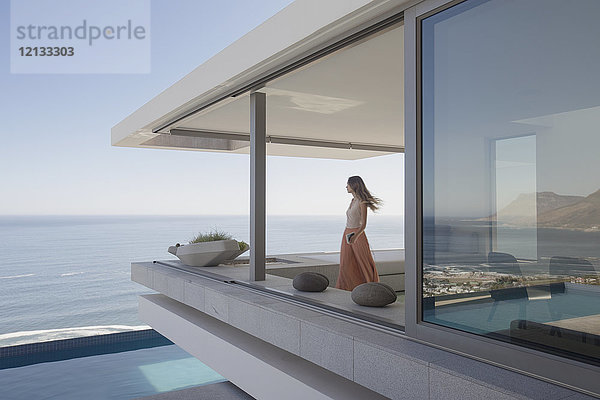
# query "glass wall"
(510, 184)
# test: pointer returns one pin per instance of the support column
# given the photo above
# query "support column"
(412, 238)
(258, 184)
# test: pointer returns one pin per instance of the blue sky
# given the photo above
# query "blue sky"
(56, 156)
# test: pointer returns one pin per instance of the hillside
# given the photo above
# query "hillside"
(554, 211)
(545, 201)
(585, 214)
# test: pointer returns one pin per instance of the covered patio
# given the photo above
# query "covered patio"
(344, 102)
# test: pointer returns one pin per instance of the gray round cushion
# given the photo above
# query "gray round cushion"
(310, 282)
(373, 294)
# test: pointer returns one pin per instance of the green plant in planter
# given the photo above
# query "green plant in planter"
(215, 235)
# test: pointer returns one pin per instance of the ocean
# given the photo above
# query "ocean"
(69, 276)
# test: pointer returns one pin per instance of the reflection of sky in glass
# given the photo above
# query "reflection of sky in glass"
(515, 170)
(515, 187)
(496, 69)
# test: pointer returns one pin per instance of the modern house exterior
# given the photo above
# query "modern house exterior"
(495, 105)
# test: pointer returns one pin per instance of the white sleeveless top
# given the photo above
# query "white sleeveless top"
(353, 214)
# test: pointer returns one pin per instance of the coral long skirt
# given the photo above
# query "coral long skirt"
(356, 262)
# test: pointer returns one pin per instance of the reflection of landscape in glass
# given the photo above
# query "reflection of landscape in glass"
(568, 243)
(549, 301)
(510, 189)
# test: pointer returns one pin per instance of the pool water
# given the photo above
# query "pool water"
(488, 317)
(126, 375)
(565, 323)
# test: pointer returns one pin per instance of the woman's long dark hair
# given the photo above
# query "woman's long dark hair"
(360, 189)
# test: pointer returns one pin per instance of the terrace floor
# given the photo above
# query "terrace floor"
(283, 267)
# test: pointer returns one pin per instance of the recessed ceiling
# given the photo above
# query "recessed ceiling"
(354, 95)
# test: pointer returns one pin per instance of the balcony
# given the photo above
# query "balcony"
(275, 343)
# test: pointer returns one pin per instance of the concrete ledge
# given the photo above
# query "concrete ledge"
(260, 369)
(385, 362)
(159, 276)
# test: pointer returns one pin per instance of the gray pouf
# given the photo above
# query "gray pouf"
(310, 282)
(373, 294)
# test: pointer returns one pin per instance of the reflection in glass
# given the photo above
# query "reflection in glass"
(511, 193)
(516, 200)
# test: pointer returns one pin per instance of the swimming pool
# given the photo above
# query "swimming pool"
(124, 375)
(561, 318)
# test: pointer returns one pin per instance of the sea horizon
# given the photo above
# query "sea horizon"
(69, 275)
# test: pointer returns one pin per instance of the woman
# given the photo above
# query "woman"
(356, 262)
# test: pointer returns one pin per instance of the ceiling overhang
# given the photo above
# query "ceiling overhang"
(345, 105)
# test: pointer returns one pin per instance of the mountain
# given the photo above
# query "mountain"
(584, 214)
(522, 210)
(545, 201)
(553, 211)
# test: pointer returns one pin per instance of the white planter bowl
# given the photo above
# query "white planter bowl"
(207, 254)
